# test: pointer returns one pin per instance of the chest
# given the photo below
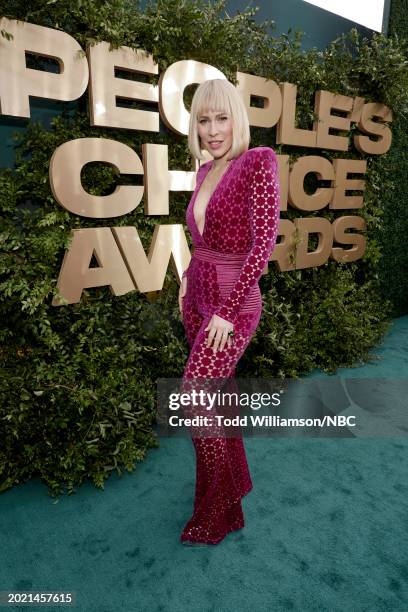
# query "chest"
(201, 201)
(207, 189)
(220, 209)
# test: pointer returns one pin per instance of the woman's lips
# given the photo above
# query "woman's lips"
(215, 145)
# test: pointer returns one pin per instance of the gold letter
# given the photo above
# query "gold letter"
(287, 133)
(324, 102)
(76, 275)
(321, 197)
(340, 236)
(368, 126)
(251, 85)
(172, 83)
(106, 88)
(66, 164)
(342, 167)
(160, 180)
(17, 82)
(281, 252)
(168, 243)
(306, 226)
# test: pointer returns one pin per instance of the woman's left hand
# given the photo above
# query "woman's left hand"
(218, 329)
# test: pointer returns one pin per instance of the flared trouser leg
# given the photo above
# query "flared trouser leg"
(222, 474)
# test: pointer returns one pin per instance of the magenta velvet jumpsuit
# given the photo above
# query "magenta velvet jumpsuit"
(240, 232)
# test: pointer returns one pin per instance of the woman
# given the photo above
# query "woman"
(233, 217)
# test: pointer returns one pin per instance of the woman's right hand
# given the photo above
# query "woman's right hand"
(182, 293)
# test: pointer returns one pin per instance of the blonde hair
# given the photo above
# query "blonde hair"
(219, 95)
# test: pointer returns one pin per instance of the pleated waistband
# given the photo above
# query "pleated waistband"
(216, 257)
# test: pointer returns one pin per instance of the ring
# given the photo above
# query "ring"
(231, 333)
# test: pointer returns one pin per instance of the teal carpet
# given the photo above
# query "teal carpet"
(326, 528)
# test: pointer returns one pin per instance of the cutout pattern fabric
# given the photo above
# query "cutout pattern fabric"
(239, 235)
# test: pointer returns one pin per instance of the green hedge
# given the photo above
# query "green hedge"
(77, 383)
(394, 263)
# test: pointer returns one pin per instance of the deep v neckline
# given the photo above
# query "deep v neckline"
(210, 166)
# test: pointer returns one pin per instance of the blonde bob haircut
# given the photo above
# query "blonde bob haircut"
(219, 95)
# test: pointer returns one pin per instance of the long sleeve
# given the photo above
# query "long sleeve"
(264, 213)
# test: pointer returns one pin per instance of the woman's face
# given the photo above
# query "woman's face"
(215, 132)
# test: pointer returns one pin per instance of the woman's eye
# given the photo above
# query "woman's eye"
(205, 120)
